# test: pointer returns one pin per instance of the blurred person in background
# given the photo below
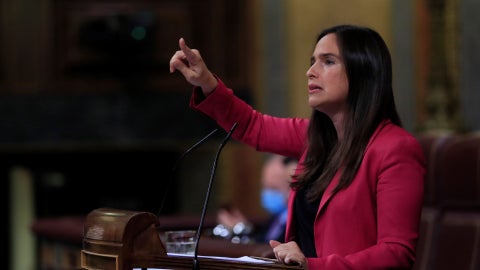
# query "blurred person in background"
(275, 179)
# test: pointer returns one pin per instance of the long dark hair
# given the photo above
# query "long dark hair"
(370, 101)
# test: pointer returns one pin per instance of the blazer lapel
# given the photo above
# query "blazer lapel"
(328, 194)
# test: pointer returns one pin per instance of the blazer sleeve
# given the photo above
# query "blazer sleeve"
(266, 133)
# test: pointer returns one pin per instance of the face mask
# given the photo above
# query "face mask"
(273, 201)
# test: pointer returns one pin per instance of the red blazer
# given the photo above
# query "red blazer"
(372, 224)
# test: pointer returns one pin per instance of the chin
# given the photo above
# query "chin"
(313, 103)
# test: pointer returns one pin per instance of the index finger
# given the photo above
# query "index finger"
(274, 243)
(191, 57)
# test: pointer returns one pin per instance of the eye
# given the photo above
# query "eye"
(329, 61)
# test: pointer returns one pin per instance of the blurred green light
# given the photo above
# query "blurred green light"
(138, 33)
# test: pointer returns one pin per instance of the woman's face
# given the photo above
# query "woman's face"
(327, 79)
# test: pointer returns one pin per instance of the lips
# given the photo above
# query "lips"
(312, 88)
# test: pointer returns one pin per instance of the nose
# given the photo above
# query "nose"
(310, 73)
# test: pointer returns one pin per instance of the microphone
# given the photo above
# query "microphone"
(177, 163)
(196, 265)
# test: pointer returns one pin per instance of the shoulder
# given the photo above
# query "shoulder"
(390, 138)
(391, 134)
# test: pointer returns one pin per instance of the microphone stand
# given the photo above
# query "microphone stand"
(193, 147)
(196, 265)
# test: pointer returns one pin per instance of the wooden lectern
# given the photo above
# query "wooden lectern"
(122, 240)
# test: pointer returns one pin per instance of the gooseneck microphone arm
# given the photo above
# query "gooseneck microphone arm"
(196, 265)
(177, 163)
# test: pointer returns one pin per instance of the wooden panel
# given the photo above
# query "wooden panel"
(124, 44)
(117, 44)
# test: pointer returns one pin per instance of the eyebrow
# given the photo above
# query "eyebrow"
(326, 55)
(329, 54)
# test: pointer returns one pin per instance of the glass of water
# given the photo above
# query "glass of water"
(181, 242)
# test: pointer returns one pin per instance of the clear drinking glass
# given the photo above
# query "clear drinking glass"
(181, 242)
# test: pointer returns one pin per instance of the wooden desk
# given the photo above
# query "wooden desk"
(122, 240)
